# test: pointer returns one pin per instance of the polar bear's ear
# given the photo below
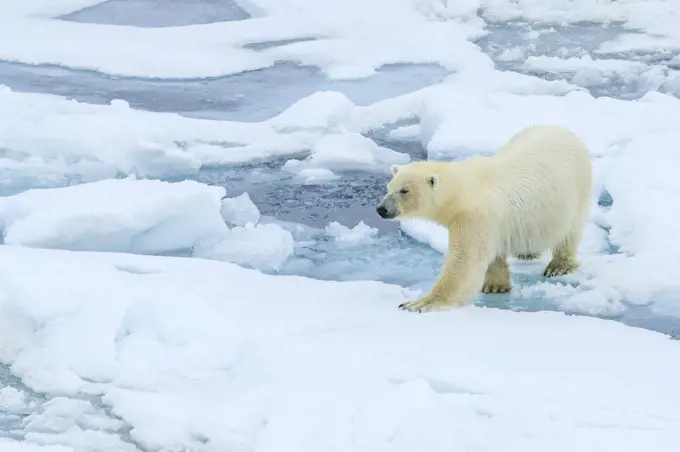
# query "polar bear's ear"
(395, 169)
(433, 180)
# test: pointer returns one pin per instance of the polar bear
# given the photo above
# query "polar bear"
(532, 195)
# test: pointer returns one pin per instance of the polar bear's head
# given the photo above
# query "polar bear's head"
(411, 193)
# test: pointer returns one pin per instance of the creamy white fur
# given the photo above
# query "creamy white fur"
(531, 196)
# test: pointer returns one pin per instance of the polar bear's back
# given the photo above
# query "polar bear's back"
(542, 185)
(547, 155)
(542, 141)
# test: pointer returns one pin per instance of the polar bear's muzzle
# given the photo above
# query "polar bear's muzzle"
(388, 208)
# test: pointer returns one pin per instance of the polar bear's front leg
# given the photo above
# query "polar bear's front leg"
(457, 285)
(460, 280)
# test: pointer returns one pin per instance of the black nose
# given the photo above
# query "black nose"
(382, 211)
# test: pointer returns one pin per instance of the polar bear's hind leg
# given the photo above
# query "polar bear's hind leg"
(497, 277)
(564, 259)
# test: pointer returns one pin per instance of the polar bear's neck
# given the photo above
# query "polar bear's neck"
(463, 187)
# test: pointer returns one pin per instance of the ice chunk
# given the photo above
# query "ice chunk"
(240, 210)
(11, 399)
(586, 70)
(265, 246)
(358, 233)
(427, 232)
(60, 136)
(46, 136)
(61, 414)
(126, 215)
(311, 176)
(637, 42)
(406, 133)
(464, 10)
(347, 151)
(323, 110)
(500, 82)
(607, 67)
(589, 72)
(512, 54)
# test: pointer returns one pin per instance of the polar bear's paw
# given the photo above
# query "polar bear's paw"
(560, 265)
(496, 287)
(426, 304)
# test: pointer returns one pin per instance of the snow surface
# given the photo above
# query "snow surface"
(201, 355)
(103, 348)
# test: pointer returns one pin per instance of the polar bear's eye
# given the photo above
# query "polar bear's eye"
(404, 191)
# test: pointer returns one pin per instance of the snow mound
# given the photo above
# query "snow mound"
(124, 215)
(189, 351)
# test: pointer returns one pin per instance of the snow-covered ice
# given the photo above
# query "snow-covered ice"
(204, 355)
(50, 138)
(191, 257)
(145, 217)
(137, 216)
(217, 49)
